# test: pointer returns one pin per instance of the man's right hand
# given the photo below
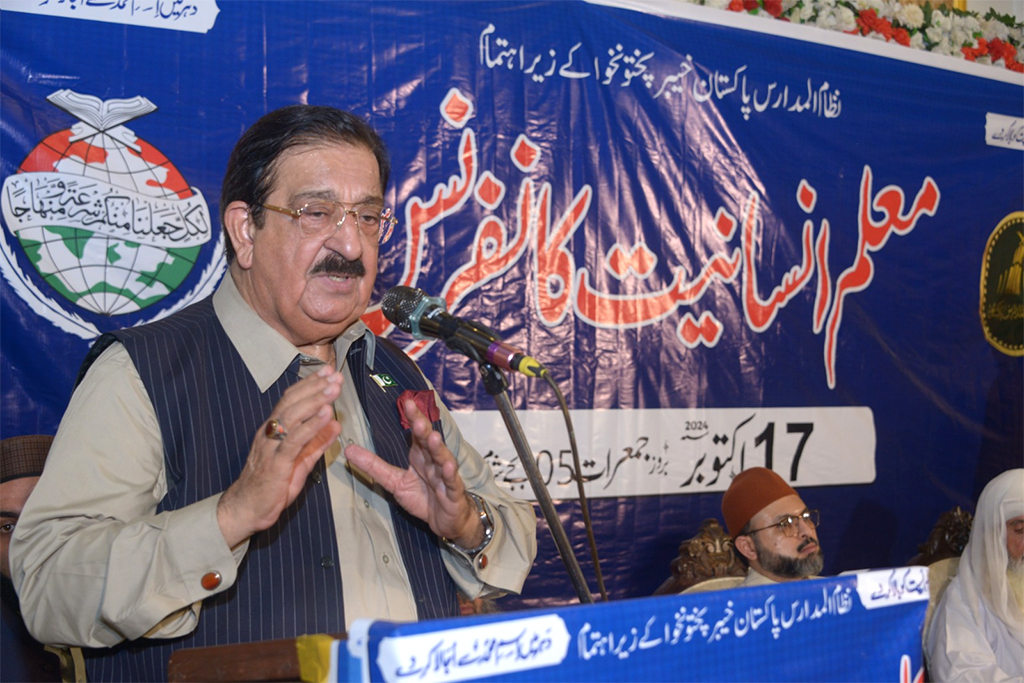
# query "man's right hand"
(276, 469)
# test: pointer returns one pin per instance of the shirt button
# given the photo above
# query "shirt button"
(316, 477)
(481, 561)
(326, 561)
(366, 503)
(386, 559)
(210, 580)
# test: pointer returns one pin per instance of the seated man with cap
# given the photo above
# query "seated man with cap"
(772, 528)
(21, 463)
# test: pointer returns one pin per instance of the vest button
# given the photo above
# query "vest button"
(326, 561)
(316, 477)
(386, 559)
(210, 580)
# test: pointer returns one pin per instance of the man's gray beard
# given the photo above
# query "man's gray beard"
(789, 567)
(1015, 580)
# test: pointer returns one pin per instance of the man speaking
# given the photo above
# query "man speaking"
(252, 468)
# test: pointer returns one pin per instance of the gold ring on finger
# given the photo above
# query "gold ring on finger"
(275, 430)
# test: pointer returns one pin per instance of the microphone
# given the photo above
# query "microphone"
(412, 311)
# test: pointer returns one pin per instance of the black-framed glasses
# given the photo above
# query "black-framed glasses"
(790, 524)
(322, 219)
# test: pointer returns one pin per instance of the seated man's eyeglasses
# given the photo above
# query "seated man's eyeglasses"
(790, 524)
(323, 219)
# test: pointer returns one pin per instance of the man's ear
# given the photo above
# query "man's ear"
(745, 546)
(239, 226)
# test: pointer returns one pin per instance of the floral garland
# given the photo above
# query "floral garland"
(996, 39)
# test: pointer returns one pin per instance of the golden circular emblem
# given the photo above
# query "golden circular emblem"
(1002, 286)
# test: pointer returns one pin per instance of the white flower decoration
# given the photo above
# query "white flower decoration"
(847, 19)
(944, 34)
(911, 16)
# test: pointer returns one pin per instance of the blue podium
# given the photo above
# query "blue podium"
(857, 627)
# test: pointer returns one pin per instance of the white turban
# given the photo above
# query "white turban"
(984, 561)
(977, 633)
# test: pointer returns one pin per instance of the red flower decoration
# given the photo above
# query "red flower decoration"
(865, 19)
(999, 49)
(868, 21)
(971, 54)
(424, 401)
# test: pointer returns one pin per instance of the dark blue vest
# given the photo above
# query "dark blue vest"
(209, 408)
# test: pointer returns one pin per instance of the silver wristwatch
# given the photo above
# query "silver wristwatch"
(488, 524)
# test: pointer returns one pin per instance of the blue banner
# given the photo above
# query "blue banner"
(732, 242)
(853, 628)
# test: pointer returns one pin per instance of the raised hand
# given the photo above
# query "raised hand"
(431, 488)
(280, 459)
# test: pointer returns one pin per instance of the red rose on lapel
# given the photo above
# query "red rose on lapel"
(424, 401)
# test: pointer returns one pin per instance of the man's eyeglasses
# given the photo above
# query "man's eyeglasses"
(790, 524)
(323, 219)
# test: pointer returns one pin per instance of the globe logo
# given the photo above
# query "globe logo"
(104, 217)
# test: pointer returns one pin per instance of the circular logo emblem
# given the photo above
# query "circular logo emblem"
(105, 219)
(95, 270)
(1002, 286)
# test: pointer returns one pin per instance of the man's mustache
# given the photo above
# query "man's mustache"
(335, 264)
(806, 543)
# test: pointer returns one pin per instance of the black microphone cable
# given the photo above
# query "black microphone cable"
(412, 311)
(578, 475)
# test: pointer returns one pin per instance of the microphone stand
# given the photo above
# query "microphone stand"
(495, 382)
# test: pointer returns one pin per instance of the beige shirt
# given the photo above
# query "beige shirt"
(95, 564)
(756, 578)
(752, 578)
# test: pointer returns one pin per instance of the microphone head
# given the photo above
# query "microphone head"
(398, 305)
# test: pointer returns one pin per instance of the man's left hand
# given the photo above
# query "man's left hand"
(431, 489)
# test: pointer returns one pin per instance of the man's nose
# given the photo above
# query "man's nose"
(347, 239)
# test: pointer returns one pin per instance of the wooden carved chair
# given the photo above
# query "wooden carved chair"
(708, 555)
(947, 538)
(941, 554)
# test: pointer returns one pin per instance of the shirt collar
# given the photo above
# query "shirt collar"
(267, 354)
